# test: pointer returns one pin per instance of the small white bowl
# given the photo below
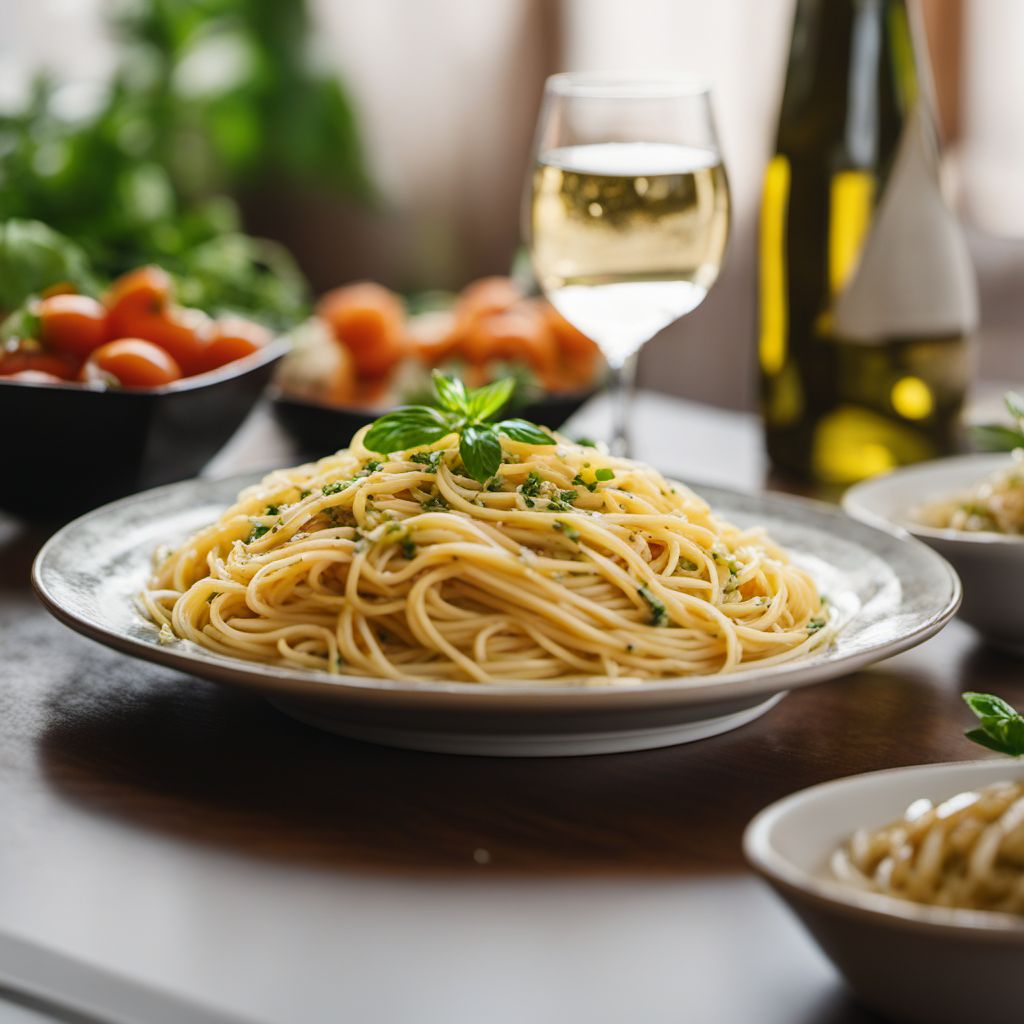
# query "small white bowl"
(931, 965)
(990, 565)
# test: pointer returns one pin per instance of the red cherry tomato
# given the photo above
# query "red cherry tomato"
(132, 363)
(369, 321)
(146, 290)
(72, 325)
(485, 296)
(232, 339)
(21, 361)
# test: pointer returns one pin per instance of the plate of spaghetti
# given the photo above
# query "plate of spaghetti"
(493, 588)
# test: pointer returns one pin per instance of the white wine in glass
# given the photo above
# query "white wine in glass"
(628, 213)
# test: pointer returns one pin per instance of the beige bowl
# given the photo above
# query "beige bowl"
(929, 965)
(990, 565)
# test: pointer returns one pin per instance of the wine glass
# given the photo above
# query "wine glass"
(628, 212)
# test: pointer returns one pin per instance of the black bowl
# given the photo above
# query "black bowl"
(321, 429)
(67, 448)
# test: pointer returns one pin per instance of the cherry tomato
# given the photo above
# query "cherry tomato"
(432, 336)
(21, 361)
(72, 325)
(233, 339)
(141, 292)
(33, 377)
(369, 321)
(486, 296)
(132, 363)
(183, 333)
(518, 335)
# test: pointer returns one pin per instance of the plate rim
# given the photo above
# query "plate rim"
(673, 691)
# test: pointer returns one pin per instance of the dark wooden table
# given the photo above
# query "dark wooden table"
(173, 851)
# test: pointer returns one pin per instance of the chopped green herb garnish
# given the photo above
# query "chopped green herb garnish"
(530, 487)
(586, 442)
(659, 613)
(435, 503)
(580, 482)
(372, 466)
(604, 474)
(819, 622)
(258, 530)
(495, 484)
(304, 494)
(568, 529)
(687, 566)
(428, 459)
(408, 547)
(1002, 727)
(272, 510)
(337, 487)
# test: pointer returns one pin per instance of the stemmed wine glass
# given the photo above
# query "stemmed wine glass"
(628, 212)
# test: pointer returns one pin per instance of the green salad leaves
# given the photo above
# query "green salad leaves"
(1002, 727)
(466, 412)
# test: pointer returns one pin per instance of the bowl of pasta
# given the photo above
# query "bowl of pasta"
(912, 882)
(970, 509)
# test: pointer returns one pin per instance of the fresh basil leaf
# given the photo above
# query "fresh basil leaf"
(489, 400)
(407, 427)
(988, 705)
(525, 432)
(994, 437)
(480, 448)
(1002, 728)
(1015, 404)
(451, 393)
(983, 739)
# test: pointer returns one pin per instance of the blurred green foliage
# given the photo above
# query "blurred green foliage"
(210, 99)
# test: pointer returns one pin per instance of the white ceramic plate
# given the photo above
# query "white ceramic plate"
(890, 593)
(990, 565)
(931, 965)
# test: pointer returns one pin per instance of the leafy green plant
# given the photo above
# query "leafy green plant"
(33, 257)
(996, 437)
(211, 100)
(1002, 727)
(468, 413)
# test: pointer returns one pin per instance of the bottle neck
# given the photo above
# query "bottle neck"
(853, 78)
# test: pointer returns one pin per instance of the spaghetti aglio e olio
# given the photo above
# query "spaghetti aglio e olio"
(566, 565)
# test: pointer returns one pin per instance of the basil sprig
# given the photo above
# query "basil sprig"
(459, 411)
(995, 437)
(1002, 728)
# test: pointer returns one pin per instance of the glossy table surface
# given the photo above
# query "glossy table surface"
(175, 852)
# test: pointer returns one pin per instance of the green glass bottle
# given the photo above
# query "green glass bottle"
(867, 297)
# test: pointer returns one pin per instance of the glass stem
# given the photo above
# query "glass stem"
(621, 385)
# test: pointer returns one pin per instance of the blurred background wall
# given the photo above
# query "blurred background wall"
(446, 92)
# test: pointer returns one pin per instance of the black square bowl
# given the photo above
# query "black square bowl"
(66, 448)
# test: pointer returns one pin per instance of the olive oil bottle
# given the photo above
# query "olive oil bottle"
(867, 298)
